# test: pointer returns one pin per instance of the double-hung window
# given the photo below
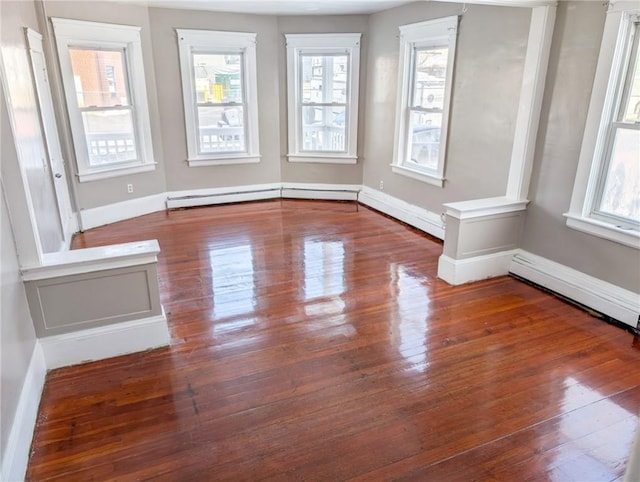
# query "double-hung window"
(322, 80)
(427, 54)
(606, 196)
(104, 84)
(219, 86)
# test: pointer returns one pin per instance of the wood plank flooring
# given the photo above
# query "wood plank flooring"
(313, 341)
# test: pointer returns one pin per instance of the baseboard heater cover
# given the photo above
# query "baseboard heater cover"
(193, 200)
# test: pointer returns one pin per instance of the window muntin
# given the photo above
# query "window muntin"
(617, 200)
(322, 79)
(219, 83)
(427, 54)
(105, 88)
(218, 80)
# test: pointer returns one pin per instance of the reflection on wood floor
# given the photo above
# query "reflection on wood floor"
(313, 341)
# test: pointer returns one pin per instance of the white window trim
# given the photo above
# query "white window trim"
(70, 33)
(223, 42)
(323, 44)
(430, 32)
(602, 107)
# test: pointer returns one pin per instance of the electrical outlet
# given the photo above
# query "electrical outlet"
(129, 188)
(382, 185)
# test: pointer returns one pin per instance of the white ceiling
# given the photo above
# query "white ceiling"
(279, 7)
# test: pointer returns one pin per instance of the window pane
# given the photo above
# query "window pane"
(110, 136)
(324, 78)
(323, 129)
(425, 139)
(621, 195)
(221, 129)
(100, 77)
(430, 76)
(631, 108)
(218, 77)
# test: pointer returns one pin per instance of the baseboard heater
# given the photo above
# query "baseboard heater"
(320, 193)
(194, 200)
(221, 198)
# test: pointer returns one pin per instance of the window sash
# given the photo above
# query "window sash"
(301, 104)
(414, 106)
(615, 126)
(201, 141)
(108, 145)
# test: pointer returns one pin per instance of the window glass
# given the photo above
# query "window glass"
(621, 193)
(99, 77)
(218, 77)
(430, 75)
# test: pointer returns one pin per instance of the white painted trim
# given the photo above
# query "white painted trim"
(460, 271)
(507, 3)
(220, 42)
(530, 103)
(78, 261)
(95, 174)
(17, 451)
(411, 214)
(321, 44)
(70, 33)
(484, 207)
(603, 105)
(111, 213)
(336, 192)
(328, 159)
(403, 170)
(604, 230)
(226, 161)
(222, 195)
(430, 33)
(105, 341)
(620, 304)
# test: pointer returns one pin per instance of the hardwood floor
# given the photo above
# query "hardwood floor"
(313, 341)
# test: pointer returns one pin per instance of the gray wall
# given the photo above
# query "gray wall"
(572, 64)
(315, 172)
(107, 191)
(17, 336)
(490, 52)
(165, 50)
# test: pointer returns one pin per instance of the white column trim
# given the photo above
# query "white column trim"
(531, 94)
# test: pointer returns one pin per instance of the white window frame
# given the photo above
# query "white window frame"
(219, 42)
(609, 82)
(322, 44)
(431, 33)
(80, 33)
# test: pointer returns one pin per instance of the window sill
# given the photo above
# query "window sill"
(603, 230)
(419, 175)
(224, 161)
(322, 159)
(114, 171)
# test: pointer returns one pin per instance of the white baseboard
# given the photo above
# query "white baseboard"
(111, 213)
(16, 453)
(105, 341)
(335, 192)
(411, 214)
(460, 271)
(618, 303)
(206, 197)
